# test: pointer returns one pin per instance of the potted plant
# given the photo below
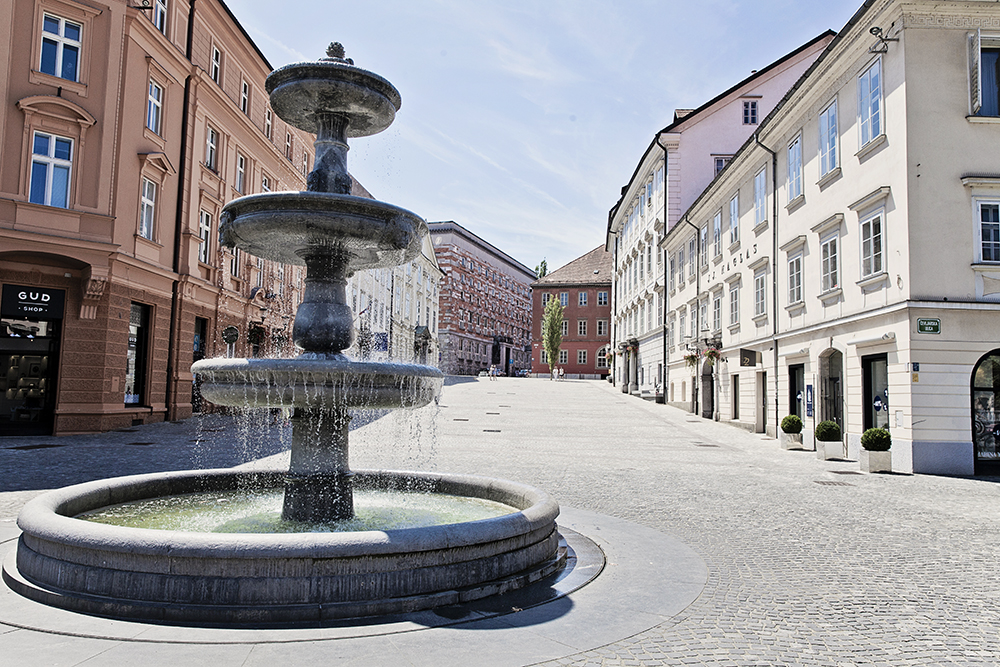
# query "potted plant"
(875, 454)
(829, 441)
(712, 355)
(791, 432)
(691, 359)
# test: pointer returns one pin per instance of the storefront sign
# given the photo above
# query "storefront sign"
(809, 400)
(35, 303)
(929, 325)
(230, 334)
(748, 357)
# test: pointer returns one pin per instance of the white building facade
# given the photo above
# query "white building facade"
(681, 161)
(858, 275)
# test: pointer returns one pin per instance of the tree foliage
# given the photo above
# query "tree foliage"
(552, 331)
(542, 269)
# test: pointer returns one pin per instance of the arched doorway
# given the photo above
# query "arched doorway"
(985, 416)
(708, 390)
(831, 383)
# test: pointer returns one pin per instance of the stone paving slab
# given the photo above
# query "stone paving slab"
(804, 565)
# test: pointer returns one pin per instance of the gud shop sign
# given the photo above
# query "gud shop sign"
(37, 303)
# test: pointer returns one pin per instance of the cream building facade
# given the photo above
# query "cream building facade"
(858, 279)
(681, 160)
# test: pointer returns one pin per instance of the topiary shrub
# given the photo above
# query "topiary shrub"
(791, 424)
(828, 431)
(876, 440)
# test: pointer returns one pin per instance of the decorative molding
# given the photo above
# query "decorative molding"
(952, 22)
(991, 286)
(92, 283)
(873, 197)
(760, 263)
(831, 223)
(793, 244)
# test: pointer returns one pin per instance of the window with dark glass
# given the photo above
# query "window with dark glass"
(60, 47)
(51, 164)
(135, 359)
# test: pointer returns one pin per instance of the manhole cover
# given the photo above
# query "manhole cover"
(826, 482)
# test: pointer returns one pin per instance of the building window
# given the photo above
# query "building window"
(563, 299)
(602, 327)
(154, 107)
(288, 145)
(545, 357)
(563, 356)
(703, 315)
(212, 149)
(734, 305)
(135, 354)
(828, 139)
(245, 98)
(760, 197)
(51, 167)
(704, 246)
(147, 209)
(564, 328)
(259, 281)
(720, 162)
(830, 267)
(989, 231)
(265, 183)
(795, 279)
(234, 263)
(759, 294)
(602, 358)
(683, 324)
(871, 246)
(750, 112)
(160, 15)
(795, 168)
(680, 265)
(241, 173)
(673, 274)
(205, 235)
(582, 298)
(216, 65)
(581, 357)
(546, 297)
(268, 122)
(60, 48)
(692, 249)
(717, 311)
(984, 61)
(717, 234)
(602, 298)
(870, 102)
(734, 219)
(305, 163)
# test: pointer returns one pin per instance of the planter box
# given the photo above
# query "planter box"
(827, 450)
(790, 440)
(875, 461)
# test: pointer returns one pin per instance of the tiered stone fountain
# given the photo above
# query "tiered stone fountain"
(180, 576)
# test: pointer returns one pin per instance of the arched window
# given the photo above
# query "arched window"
(985, 404)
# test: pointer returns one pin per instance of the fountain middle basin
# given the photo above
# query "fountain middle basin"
(240, 578)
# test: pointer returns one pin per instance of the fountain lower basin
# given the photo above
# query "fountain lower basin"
(248, 579)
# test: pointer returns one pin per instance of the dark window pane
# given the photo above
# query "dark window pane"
(72, 31)
(38, 174)
(70, 56)
(41, 145)
(51, 25)
(990, 68)
(60, 187)
(49, 57)
(64, 149)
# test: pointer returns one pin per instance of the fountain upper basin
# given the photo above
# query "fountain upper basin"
(319, 382)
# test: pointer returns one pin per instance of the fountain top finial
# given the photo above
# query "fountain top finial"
(335, 52)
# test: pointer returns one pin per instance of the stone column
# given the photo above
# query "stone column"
(633, 380)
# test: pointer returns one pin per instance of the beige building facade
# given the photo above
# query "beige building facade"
(124, 134)
(858, 279)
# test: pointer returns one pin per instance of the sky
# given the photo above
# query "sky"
(522, 119)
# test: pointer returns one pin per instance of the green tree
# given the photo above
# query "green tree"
(542, 269)
(552, 331)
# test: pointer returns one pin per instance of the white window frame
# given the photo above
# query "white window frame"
(829, 156)
(147, 209)
(870, 120)
(582, 298)
(734, 305)
(265, 183)
(154, 107)
(795, 168)
(717, 234)
(581, 357)
(602, 358)
(546, 297)
(734, 219)
(978, 42)
(795, 279)
(204, 236)
(61, 43)
(760, 197)
(234, 263)
(51, 164)
(564, 299)
(602, 298)
(216, 67)
(288, 145)
(760, 293)
(673, 274)
(749, 112)
(717, 311)
(872, 244)
(602, 328)
(268, 122)
(993, 238)
(211, 148)
(704, 246)
(692, 254)
(830, 263)
(241, 173)
(564, 357)
(159, 15)
(245, 98)
(564, 328)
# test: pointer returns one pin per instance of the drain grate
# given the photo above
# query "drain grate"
(460, 420)
(702, 444)
(503, 406)
(845, 472)
(492, 413)
(491, 430)
(25, 448)
(826, 482)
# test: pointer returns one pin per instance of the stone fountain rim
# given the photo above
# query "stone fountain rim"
(42, 519)
(321, 202)
(321, 70)
(314, 363)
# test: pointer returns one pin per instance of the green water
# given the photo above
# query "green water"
(260, 512)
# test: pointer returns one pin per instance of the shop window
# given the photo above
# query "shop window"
(875, 378)
(135, 359)
(986, 410)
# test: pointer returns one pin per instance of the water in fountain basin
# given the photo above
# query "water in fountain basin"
(260, 512)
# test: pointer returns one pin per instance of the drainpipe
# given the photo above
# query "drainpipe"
(774, 272)
(614, 311)
(696, 316)
(666, 267)
(173, 350)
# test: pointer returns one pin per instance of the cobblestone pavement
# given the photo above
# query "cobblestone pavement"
(810, 562)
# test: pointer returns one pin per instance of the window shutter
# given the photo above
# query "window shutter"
(975, 71)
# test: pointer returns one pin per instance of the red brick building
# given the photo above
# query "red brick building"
(584, 288)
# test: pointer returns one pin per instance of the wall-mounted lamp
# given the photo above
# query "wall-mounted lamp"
(883, 41)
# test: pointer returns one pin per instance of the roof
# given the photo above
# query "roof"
(594, 267)
(446, 226)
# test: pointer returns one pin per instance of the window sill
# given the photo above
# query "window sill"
(717, 259)
(794, 308)
(872, 282)
(734, 246)
(828, 178)
(43, 79)
(986, 266)
(154, 137)
(760, 320)
(149, 242)
(760, 228)
(871, 147)
(983, 119)
(795, 203)
(831, 295)
(733, 328)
